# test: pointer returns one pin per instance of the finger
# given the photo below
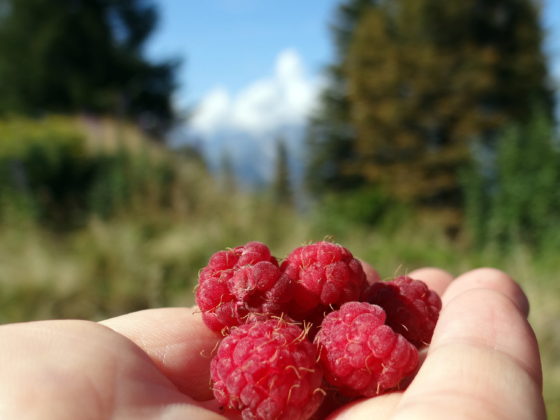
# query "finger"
(492, 279)
(372, 275)
(177, 341)
(437, 279)
(382, 406)
(71, 369)
(483, 361)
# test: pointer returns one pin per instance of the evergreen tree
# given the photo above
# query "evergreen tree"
(281, 188)
(421, 80)
(425, 78)
(518, 200)
(82, 56)
(330, 134)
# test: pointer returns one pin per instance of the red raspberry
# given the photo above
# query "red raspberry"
(361, 355)
(412, 309)
(268, 370)
(240, 281)
(325, 275)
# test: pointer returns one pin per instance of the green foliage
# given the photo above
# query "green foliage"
(515, 197)
(18, 135)
(330, 137)
(42, 169)
(365, 207)
(49, 175)
(426, 78)
(131, 261)
(82, 56)
(281, 185)
(414, 84)
(125, 181)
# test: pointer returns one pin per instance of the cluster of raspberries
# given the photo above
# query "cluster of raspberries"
(309, 327)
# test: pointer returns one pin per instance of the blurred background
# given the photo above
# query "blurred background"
(138, 137)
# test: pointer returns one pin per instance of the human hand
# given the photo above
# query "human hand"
(152, 364)
(483, 363)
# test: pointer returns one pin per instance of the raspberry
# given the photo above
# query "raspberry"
(268, 370)
(412, 309)
(325, 275)
(240, 281)
(360, 354)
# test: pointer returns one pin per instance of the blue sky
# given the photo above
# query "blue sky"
(551, 23)
(231, 43)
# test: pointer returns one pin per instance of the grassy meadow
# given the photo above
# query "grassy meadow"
(134, 233)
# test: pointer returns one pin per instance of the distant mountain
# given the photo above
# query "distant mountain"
(252, 155)
(247, 124)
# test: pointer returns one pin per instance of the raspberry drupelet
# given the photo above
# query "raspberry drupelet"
(268, 370)
(412, 309)
(325, 275)
(360, 354)
(240, 281)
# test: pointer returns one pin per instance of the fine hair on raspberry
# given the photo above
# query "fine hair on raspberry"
(306, 337)
(325, 275)
(268, 370)
(361, 355)
(238, 282)
(412, 309)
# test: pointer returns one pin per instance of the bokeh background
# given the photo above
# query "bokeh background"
(138, 137)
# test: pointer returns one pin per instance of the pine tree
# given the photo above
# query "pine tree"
(83, 56)
(524, 198)
(281, 187)
(330, 134)
(417, 82)
(426, 78)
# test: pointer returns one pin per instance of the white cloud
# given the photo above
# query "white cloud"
(211, 111)
(282, 99)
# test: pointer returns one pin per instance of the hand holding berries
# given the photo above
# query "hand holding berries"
(483, 362)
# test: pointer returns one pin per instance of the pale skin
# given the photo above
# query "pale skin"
(483, 363)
